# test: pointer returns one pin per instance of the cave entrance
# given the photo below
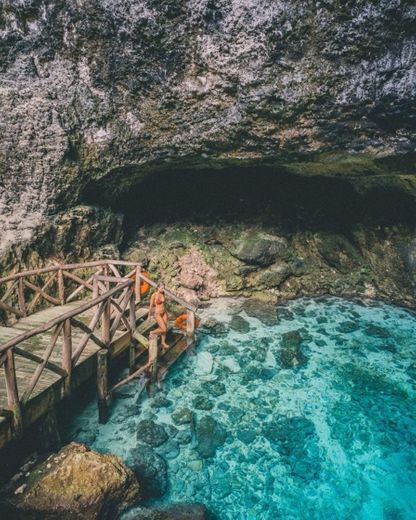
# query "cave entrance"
(257, 195)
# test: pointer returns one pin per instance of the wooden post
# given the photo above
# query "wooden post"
(137, 283)
(61, 287)
(105, 323)
(132, 357)
(102, 385)
(47, 433)
(190, 328)
(21, 297)
(67, 356)
(132, 324)
(153, 352)
(106, 273)
(132, 312)
(13, 402)
(95, 290)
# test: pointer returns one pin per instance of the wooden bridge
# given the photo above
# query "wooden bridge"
(61, 325)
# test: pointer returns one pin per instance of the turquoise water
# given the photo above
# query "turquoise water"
(315, 424)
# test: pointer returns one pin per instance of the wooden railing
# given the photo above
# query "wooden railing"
(114, 298)
(24, 293)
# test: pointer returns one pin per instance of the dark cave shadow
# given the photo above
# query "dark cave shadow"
(255, 195)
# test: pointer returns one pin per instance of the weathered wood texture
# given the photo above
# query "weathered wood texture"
(47, 352)
(53, 383)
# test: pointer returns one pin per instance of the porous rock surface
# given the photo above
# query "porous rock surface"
(96, 94)
(77, 484)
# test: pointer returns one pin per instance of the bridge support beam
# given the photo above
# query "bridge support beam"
(102, 385)
(153, 353)
(13, 402)
(190, 331)
(67, 356)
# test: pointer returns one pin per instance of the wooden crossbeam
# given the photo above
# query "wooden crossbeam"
(9, 291)
(77, 279)
(37, 289)
(11, 310)
(87, 336)
(121, 310)
(39, 369)
(38, 295)
(81, 325)
(37, 359)
(116, 272)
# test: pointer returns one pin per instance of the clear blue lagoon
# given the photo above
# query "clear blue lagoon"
(303, 411)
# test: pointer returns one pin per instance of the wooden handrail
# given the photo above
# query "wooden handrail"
(171, 295)
(98, 263)
(83, 265)
(70, 314)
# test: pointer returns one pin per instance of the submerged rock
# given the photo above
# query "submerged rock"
(291, 355)
(169, 450)
(171, 512)
(210, 435)
(78, 484)
(160, 401)
(296, 440)
(151, 433)
(376, 331)
(348, 326)
(246, 436)
(239, 324)
(184, 437)
(182, 416)
(214, 388)
(264, 312)
(201, 402)
(231, 364)
(204, 362)
(214, 327)
(150, 469)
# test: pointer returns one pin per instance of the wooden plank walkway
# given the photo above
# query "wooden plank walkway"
(46, 353)
(49, 388)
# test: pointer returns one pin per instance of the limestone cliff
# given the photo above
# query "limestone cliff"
(96, 94)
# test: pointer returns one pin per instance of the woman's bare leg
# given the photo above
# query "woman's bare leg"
(161, 330)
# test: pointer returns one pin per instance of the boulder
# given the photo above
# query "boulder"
(210, 435)
(274, 276)
(258, 248)
(150, 469)
(78, 484)
(151, 433)
(338, 252)
(160, 401)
